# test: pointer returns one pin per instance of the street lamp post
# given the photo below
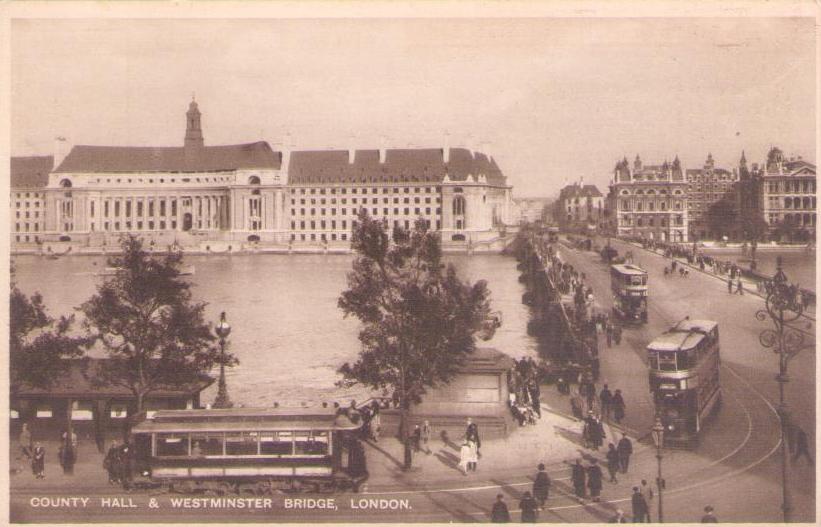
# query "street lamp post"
(222, 330)
(784, 309)
(658, 439)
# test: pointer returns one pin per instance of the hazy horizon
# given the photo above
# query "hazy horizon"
(553, 100)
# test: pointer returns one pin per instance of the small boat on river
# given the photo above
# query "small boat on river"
(111, 271)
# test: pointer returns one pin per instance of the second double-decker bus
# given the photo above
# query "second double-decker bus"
(629, 285)
(684, 367)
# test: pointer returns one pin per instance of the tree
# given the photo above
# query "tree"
(721, 216)
(753, 226)
(145, 320)
(418, 318)
(38, 344)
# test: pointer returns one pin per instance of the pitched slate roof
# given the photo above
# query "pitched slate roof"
(579, 191)
(411, 165)
(30, 172)
(84, 158)
(77, 380)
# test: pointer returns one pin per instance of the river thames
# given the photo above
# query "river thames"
(287, 330)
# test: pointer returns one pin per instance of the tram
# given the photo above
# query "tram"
(248, 450)
(628, 283)
(684, 367)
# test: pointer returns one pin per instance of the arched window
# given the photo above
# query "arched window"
(253, 180)
(66, 183)
(625, 192)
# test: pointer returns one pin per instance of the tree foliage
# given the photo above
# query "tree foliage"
(721, 217)
(38, 343)
(418, 317)
(152, 332)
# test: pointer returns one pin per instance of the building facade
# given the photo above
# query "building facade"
(787, 193)
(579, 205)
(707, 186)
(230, 197)
(649, 201)
(29, 176)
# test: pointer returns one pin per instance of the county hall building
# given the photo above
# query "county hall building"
(246, 196)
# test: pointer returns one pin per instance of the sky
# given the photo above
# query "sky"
(553, 100)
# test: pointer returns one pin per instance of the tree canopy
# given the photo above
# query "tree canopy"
(38, 343)
(418, 317)
(145, 319)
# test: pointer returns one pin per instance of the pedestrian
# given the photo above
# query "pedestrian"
(639, 506)
(73, 435)
(619, 517)
(605, 399)
(464, 457)
(578, 477)
(38, 461)
(598, 434)
(562, 386)
(541, 486)
(376, 421)
(730, 285)
(416, 438)
(613, 463)
(474, 455)
(24, 440)
(740, 289)
(594, 479)
(609, 332)
(472, 433)
(618, 406)
(534, 398)
(499, 513)
(625, 449)
(427, 432)
(802, 447)
(111, 464)
(124, 463)
(528, 507)
(576, 404)
(65, 454)
(647, 491)
(709, 517)
(617, 333)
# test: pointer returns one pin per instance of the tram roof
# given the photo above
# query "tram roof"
(704, 326)
(245, 420)
(675, 341)
(628, 269)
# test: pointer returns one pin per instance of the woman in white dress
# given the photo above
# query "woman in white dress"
(474, 455)
(464, 457)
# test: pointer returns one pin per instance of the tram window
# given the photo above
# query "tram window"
(276, 443)
(315, 443)
(172, 445)
(241, 444)
(667, 360)
(206, 445)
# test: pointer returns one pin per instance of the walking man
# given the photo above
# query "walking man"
(500, 514)
(594, 480)
(613, 463)
(639, 506)
(647, 492)
(625, 449)
(578, 478)
(541, 486)
(618, 406)
(740, 289)
(605, 398)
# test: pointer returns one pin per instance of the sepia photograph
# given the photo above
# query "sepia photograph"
(420, 263)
